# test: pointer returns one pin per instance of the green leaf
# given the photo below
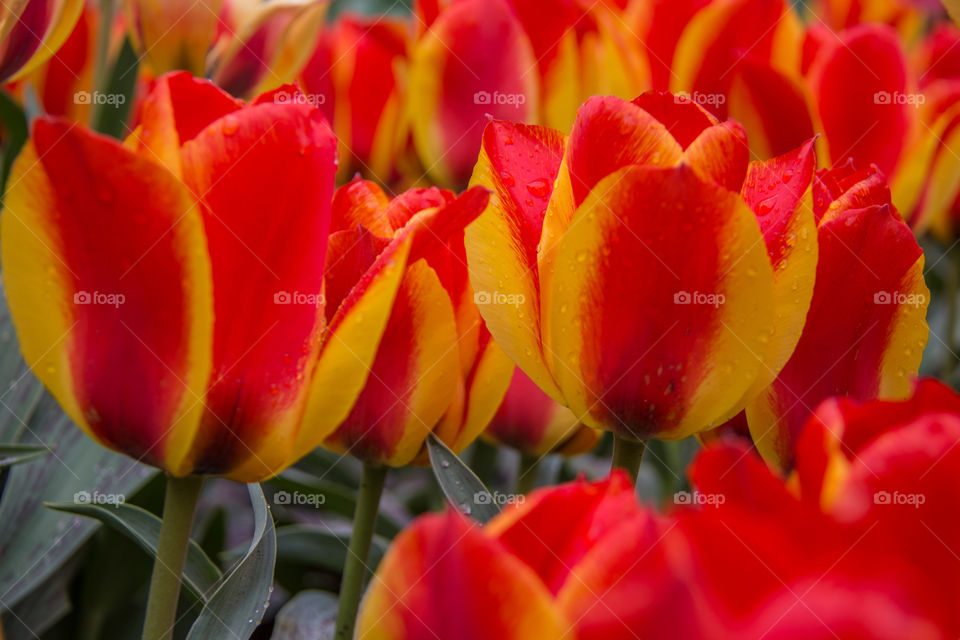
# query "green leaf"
(461, 486)
(310, 615)
(241, 597)
(40, 610)
(11, 454)
(322, 546)
(15, 127)
(200, 574)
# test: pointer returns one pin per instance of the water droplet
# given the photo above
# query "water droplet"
(506, 178)
(539, 188)
(445, 464)
(230, 125)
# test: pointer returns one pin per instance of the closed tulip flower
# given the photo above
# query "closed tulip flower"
(651, 187)
(153, 298)
(31, 32)
(174, 35)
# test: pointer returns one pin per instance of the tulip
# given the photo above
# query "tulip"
(520, 60)
(173, 35)
(121, 266)
(870, 274)
(260, 46)
(535, 424)
(356, 76)
(648, 187)
(31, 32)
(741, 59)
(740, 556)
(435, 370)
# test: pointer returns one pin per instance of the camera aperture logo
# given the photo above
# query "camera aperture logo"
(898, 97)
(298, 97)
(299, 499)
(95, 497)
(702, 99)
(497, 98)
(699, 499)
(110, 299)
(687, 297)
(98, 97)
(895, 297)
(497, 498)
(295, 297)
(485, 297)
(896, 498)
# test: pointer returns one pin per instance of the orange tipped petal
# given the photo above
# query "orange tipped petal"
(720, 154)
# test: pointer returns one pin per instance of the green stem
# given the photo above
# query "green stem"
(627, 455)
(179, 505)
(355, 568)
(527, 473)
(101, 70)
(951, 288)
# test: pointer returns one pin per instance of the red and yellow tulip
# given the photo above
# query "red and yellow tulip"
(174, 35)
(742, 555)
(31, 32)
(656, 187)
(171, 318)
(535, 424)
(357, 76)
(436, 368)
(866, 330)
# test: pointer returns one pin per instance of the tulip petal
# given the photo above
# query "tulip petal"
(611, 133)
(705, 271)
(882, 299)
(122, 341)
(360, 202)
(502, 243)
(244, 165)
(590, 511)
(857, 82)
(174, 35)
(720, 154)
(175, 111)
(445, 578)
(408, 389)
(479, 47)
(33, 33)
(776, 191)
(683, 118)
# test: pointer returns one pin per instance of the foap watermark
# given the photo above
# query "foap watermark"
(700, 98)
(513, 99)
(485, 297)
(299, 499)
(898, 97)
(695, 297)
(698, 498)
(95, 497)
(895, 297)
(297, 97)
(295, 297)
(99, 97)
(501, 499)
(97, 297)
(898, 498)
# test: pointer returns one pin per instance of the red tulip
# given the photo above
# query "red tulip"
(649, 187)
(866, 331)
(535, 424)
(171, 318)
(31, 32)
(435, 370)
